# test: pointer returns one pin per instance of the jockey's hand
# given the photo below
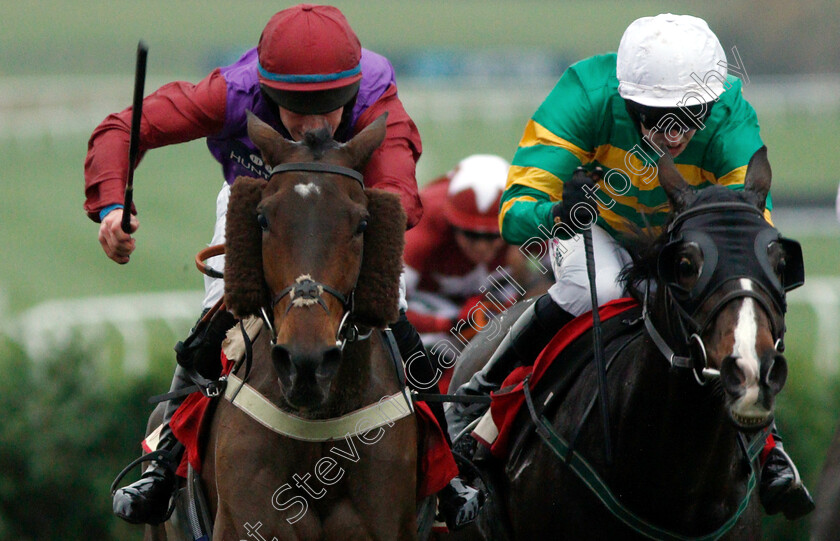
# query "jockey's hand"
(117, 244)
(578, 198)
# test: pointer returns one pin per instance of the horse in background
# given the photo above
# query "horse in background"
(679, 465)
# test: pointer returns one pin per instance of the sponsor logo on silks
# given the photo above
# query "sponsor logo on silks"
(248, 159)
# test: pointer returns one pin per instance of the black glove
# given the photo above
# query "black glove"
(578, 200)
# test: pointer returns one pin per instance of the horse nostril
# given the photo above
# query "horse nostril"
(731, 376)
(776, 373)
(283, 364)
(330, 362)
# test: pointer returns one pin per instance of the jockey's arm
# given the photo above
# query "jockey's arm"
(555, 142)
(392, 166)
(175, 113)
(735, 142)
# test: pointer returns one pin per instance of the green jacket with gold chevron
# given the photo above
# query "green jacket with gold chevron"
(583, 121)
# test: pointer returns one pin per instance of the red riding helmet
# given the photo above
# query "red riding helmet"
(475, 193)
(309, 59)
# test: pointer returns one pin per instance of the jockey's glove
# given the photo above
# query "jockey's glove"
(579, 207)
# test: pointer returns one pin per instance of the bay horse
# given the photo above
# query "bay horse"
(712, 287)
(318, 257)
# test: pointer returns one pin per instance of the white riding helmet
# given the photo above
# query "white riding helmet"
(658, 55)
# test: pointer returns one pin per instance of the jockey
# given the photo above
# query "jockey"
(457, 244)
(667, 86)
(308, 72)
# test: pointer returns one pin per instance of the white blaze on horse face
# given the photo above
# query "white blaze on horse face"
(744, 350)
(305, 190)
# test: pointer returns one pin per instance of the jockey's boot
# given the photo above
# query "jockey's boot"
(781, 489)
(524, 341)
(147, 500)
(458, 502)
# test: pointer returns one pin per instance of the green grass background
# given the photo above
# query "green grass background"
(48, 248)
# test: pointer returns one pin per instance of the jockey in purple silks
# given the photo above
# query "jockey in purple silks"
(308, 72)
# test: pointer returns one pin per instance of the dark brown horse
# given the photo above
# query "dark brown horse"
(717, 300)
(319, 257)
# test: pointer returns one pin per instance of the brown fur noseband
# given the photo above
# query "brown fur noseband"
(376, 296)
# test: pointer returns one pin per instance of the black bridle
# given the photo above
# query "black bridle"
(306, 291)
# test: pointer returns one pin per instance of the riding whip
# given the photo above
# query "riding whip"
(134, 141)
(598, 343)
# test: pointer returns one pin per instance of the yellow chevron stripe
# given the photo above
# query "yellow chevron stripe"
(736, 176)
(535, 134)
(534, 177)
(640, 175)
(507, 204)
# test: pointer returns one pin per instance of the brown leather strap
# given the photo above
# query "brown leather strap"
(205, 254)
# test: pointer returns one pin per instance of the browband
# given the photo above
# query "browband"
(318, 167)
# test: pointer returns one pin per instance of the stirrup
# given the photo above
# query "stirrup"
(163, 457)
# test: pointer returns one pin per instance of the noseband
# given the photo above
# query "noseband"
(306, 291)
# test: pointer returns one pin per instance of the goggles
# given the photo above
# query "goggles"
(686, 119)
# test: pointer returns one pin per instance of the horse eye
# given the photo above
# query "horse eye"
(776, 251)
(263, 221)
(685, 267)
(361, 227)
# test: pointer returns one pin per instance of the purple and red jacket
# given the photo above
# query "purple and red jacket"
(215, 109)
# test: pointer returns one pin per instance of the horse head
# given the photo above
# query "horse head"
(724, 271)
(315, 254)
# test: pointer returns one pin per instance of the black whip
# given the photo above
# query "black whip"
(134, 141)
(598, 342)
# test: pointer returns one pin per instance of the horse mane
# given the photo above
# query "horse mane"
(319, 142)
(644, 253)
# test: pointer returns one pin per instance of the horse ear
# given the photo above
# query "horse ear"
(245, 289)
(758, 177)
(360, 148)
(378, 288)
(678, 190)
(273, 146)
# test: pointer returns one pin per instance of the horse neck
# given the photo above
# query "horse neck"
(675, 438)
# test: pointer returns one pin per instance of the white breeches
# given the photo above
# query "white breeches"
(571, 288)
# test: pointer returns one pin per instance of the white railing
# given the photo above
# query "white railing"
(55, 324)
(53, 105)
